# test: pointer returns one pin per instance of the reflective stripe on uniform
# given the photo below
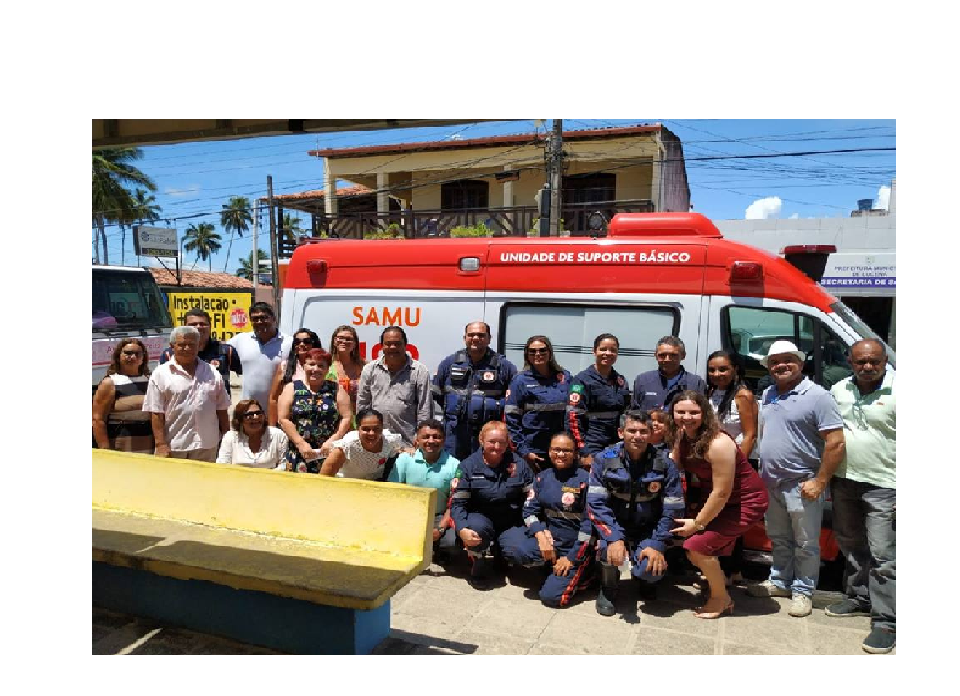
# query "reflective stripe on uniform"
(564, 515)
(461, 494)
(531, 520)
(672, 501)
(494, 393)
(584, 536)
(597, 490)
(510, 410)
(543, 407)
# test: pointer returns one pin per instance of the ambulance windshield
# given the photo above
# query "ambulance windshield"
(856, 323)
(125, 301)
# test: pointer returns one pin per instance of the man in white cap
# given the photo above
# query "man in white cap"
(801, 445)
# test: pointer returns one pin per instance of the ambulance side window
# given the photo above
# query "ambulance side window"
(749, 332)
(572, 327)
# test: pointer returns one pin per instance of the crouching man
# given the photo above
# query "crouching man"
(634, 496)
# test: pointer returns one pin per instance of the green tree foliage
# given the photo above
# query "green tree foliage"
(247, 267)
(112, 202)
(235, 216)
(202, 239)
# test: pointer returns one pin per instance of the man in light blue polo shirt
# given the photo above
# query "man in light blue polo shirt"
(260, 351)
(801, 445)
(864, 491)
(431, 467)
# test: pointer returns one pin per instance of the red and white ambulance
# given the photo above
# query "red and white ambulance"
(653, 274)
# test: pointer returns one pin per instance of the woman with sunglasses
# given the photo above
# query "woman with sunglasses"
(250, 441)
(303, 341)
(314, 413)
(347, 363)
(119, 422)
(536, 401)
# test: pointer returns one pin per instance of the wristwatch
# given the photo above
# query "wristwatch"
(699, 526)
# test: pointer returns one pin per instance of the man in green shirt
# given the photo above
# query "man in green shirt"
(431, 467)
(864, 490)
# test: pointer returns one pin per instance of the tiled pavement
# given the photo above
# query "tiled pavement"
(439, 613)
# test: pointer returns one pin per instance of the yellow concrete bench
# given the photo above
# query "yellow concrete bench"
(297, 562)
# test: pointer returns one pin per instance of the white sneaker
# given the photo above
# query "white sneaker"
(767, 589)
(801, 605)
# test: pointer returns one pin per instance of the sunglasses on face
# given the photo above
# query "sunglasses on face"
(299, 341)
(250, 415)
(538, 351)
(345, 339)
(136, 353)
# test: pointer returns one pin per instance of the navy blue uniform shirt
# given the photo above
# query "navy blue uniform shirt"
(594, 407)
(496, 493)
(651, 390)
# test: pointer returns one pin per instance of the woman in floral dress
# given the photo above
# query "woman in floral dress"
(314, 413)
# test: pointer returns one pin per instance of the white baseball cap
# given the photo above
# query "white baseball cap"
(780, 347)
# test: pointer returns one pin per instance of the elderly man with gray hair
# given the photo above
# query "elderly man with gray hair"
(655, 390)
(187, 401)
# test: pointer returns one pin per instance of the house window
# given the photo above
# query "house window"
(464, 195)
(596, 187)
(572, 328)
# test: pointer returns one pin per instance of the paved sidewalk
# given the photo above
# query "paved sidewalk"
(439, 613)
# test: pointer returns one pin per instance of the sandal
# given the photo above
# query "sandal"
(714, 614)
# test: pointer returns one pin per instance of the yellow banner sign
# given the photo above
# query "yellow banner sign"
(228, 310)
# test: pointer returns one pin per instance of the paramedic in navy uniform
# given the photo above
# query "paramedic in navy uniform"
(635, 495)
(487, 495)
(657, 388)
(471, 386)
(598, 395)
(536, 402)
(558, 529)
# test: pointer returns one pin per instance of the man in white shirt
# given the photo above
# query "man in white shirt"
(187, 401)
(260, 351)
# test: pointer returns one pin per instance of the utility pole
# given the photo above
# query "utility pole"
(274, 269)
(556, 175)
(255, 255)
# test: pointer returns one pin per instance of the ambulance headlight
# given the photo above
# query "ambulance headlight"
(470, 263)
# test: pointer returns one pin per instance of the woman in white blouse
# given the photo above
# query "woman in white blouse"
(250, 441)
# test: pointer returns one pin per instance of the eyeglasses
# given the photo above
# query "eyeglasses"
(132, 353)
(249, 415)
(557, 450)
(299, 341)
(260, 318)
(538, 351)
(344, 339)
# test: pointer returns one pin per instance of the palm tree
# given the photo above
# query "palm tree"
(246, 269)
(111, 201)
(235, 217)
(290, 228)
(202, 239)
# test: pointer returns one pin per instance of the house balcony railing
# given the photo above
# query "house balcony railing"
(579, 219)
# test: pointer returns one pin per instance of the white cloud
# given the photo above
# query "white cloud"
(178, 192)
(764, 208)
(883, 199)
(795, 216)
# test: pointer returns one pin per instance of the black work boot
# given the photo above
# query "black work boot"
(609, 582)
(480, 573)
(646, 590)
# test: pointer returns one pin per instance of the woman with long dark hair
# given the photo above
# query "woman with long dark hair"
(304, 340)
(738, 413)
(347, 361)
(536, 401)
(119, 422)
(735, 496)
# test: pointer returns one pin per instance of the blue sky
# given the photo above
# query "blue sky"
(195, 179)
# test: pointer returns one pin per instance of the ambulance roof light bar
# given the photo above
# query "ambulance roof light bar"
(661, 225)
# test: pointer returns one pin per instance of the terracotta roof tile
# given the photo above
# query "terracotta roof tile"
(200, 279)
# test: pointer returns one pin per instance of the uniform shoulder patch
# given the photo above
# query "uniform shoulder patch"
(577, 388)
(574, 398)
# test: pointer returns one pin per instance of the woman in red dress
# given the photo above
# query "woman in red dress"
(735, 496)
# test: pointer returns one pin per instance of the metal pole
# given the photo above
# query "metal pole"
(556, 175)
(254, 255)
(275, 278)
